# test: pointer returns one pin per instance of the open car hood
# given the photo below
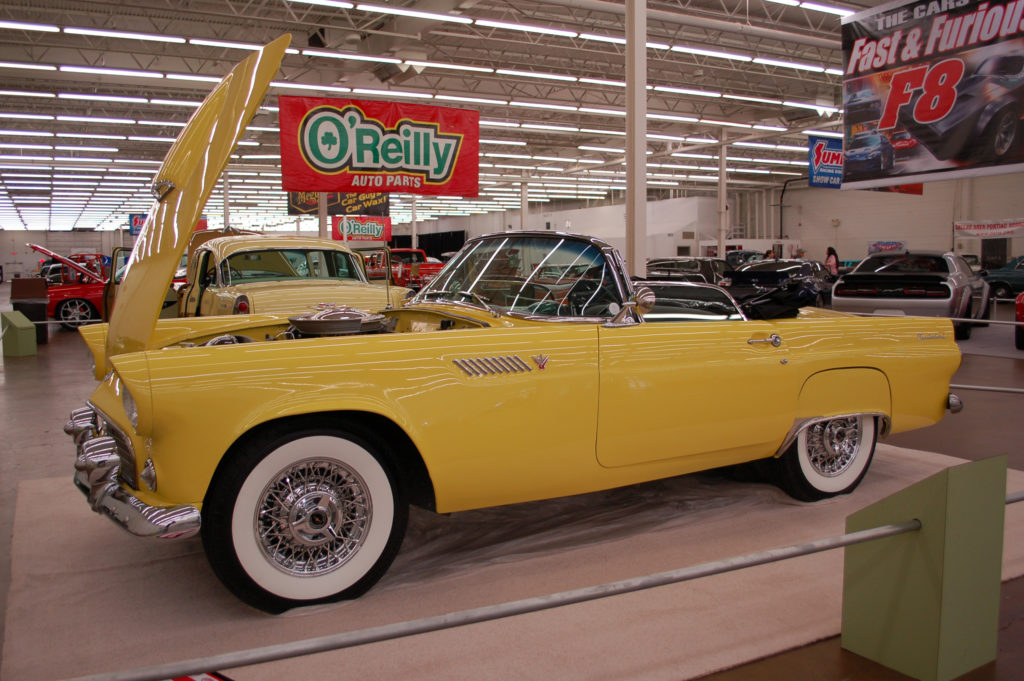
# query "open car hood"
(70, 263)
(181, 188)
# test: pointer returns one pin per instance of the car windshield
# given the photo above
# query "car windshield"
(1002, 66)
(407, 257)
(673, 265)
(544, 276)
(281, 264)
(903, 263)
(787, 266)
(861, 142)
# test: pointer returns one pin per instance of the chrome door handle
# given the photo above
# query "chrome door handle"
(775, 339)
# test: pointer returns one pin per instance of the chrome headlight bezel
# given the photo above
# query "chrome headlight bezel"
(131, 409)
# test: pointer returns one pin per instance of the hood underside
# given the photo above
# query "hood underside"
(182, 186)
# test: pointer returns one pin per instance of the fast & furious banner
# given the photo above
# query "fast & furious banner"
(933, 89)
(366, 146)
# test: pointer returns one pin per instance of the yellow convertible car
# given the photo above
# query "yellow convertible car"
(525, 370)
(278, 274)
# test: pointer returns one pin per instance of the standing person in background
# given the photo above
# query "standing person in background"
(832, 261)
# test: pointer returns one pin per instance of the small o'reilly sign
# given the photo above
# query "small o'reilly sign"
(352, 145)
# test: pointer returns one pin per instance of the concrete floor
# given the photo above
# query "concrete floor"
(37, 393)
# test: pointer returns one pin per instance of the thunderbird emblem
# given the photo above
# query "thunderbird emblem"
(540, 360)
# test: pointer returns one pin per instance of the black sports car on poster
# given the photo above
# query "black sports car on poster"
(984, 123)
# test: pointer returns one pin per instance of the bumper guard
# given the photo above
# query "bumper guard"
(96, 467)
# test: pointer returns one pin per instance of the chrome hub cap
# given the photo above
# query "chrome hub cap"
(832, 445)
(313, 517)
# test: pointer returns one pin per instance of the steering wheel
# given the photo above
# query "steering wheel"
(584, 294)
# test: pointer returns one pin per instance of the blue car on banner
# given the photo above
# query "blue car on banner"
(869, 152)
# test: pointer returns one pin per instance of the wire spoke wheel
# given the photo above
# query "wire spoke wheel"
(829, 457)
(313, 517)
(833, 445)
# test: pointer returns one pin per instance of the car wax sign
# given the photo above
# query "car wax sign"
(360, 228)
(355, 203)
(932, 89)
(825, 155)
(366, 146)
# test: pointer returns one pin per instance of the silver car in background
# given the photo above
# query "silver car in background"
(929, 284)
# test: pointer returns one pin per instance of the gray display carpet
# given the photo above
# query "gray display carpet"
(88, 598)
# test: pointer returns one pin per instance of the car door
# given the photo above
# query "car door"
(202, 274)
(691, 389)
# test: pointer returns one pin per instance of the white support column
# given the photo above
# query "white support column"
(415, 238)
(227, 209)
(636, 135)
(523, 203)
(325, 232)
(723, 197)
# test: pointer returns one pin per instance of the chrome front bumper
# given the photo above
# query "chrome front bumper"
(96, 467)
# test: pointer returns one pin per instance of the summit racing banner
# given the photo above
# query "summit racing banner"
(825, 157)
(933, 89)
(366, 146)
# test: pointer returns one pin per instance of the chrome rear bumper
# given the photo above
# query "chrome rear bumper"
(96, 467)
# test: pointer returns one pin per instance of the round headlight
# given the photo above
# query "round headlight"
(130, 408)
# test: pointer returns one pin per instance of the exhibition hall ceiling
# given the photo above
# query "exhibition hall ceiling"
(94, 92)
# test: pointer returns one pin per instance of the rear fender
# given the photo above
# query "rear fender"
(842, 392)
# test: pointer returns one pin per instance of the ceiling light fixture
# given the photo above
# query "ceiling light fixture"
(548, 126)
(175, 102)
(96, 119)
(413, 13)
(25, 26)
(826, 8)
(686, 91)
(790, 65)
(123, 34)
(602, 112)
(393, 93)
(475, 100)
(25, 65)
(103, 98)
(337, 4)
(758, 100)
(524, 27)
(711, 53)
(27, 133)
(194, 76)
(353, 57)
(454, 67)
(23, 93)
(599, 81)
(304, 86)
(532, 74)
(540, 105)
(100, 71)
(822, 133)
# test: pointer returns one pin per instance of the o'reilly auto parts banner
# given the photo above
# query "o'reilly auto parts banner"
(366, 146)
(933, 89)
(360, 228)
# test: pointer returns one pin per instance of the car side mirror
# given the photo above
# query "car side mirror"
(645, 299)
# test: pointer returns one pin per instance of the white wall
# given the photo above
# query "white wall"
(925, 222)
(666, 222)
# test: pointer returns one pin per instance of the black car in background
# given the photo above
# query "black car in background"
(808, 282)
(685, 268)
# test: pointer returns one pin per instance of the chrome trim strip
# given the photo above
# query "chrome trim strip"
(885, 424)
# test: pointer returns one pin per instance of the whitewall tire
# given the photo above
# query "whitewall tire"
(829, 457)
(305, 517)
